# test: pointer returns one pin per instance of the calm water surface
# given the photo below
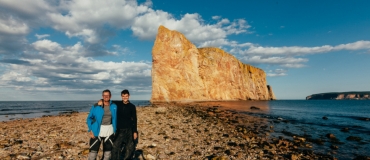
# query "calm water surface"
(10, 110)
(305, 118)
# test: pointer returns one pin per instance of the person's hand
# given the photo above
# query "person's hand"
(100, 102)
(135, 135)
(92, 135)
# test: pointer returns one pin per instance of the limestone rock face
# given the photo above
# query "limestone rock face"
(182, 72)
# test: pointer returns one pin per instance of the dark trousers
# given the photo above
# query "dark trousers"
(124, 143)
(107, 143)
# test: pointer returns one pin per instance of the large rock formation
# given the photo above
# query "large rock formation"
(340, 96)
(182, 72)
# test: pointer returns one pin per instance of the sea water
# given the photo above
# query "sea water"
(305, 118)
(10, 110)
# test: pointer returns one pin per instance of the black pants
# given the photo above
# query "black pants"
(107, 143)
(124, 137)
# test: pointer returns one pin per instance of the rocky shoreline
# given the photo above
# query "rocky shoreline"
(166, 131)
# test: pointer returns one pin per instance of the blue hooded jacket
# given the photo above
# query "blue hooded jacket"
(95, 118)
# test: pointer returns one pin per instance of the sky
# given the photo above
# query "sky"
(74, 49)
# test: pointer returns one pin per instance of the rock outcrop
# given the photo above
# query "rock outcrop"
(182, 72)
(340, 96)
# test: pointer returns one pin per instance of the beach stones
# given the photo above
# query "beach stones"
(220, 158)
(294, 157)
(171, 132)
(254, 108)
(149, 157)
(334, 147)
(160, 110)
(23, 157)
(330, 136)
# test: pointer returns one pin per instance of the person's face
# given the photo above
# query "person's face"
(106, 96)
(125, 97)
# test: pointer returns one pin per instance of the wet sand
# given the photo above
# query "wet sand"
(166, 131)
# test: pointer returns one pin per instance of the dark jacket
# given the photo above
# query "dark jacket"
(126, 116)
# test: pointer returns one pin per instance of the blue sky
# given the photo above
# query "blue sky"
(72, 50)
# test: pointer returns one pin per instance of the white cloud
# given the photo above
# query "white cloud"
(27, 8)
(225, 42)
(215, 43)
(148, 3)
(118, 14)
(94, 20)
(12, 26)
(52, 67)
(224, 21)
(216, 17)
(191, 25)
(297, 50)
(353, 46)
(46, 46)
(16, 76)
(287, 62)
(276, 73)
(41, 36)
(294, 65)
(282, 56)
(237, 27)
(275, 60)
(146, 26)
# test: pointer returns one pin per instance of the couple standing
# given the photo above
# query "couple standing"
(113, 124)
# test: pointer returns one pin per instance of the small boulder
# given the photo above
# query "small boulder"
(334, 147)
(197, 153)
(254, 108)
(294, 157)
(149, 157)
(160, 110)
(331, 136)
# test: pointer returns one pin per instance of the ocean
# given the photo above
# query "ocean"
(302, 118)
(10, 110)
(306, 117)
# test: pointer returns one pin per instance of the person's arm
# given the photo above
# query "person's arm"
(99, 103)
(90, 120)
(134, 121)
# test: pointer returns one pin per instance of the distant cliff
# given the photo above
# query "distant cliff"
(182, 72)
(340, 96)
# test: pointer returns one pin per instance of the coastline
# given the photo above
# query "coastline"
(166, 131)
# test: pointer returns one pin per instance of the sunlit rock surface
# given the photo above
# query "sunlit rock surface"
(182, 72)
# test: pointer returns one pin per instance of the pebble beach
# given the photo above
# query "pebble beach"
(166, 131)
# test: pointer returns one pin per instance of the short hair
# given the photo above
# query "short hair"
(125, 91)
(107, 90)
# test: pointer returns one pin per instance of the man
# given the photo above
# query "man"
(102, 122)
(126, 127)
